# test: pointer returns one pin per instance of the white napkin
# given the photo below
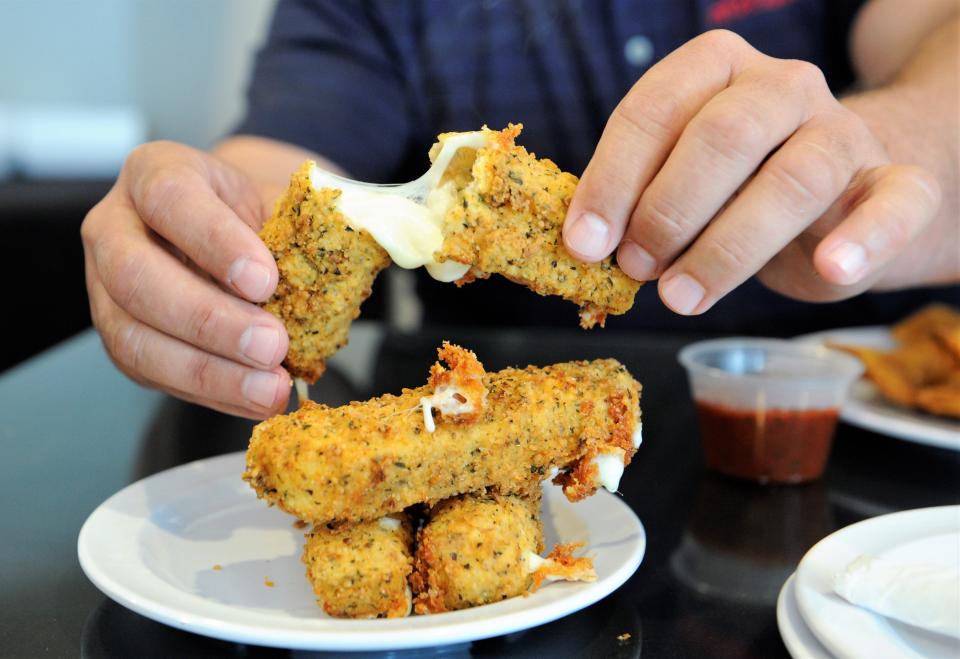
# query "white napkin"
(921, 594)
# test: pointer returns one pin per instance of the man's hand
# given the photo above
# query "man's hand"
(173, 263)
(722, 162)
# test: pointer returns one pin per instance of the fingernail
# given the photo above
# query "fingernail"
(260, 344)
(260, 388)
(683, 294)
(250, 278)
(589, 235)
(851, 260)
(636, 262)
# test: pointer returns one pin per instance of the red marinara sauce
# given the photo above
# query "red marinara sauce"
(780, 446)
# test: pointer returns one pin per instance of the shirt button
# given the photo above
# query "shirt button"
(638, 50)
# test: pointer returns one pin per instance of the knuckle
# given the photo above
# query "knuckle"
(846, 127)
(124, 275)
(220, 240)
(925, 182)
(201, 372)
(730, 255)
(898, 223)
(137, 155)
(893, 224)
(160, 189)
(99, 315)
(204, 324)
(648, 113)
(806, 181)
(722, 40)
(87, 227)
(662, 222)
(148, 151)
(733, 134)
(125, 344)
(805, 74)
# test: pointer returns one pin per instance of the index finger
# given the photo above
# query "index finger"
(640, 134)
(175, 197)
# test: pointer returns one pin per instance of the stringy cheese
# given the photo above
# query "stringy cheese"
(609, 469)
(405, 220)
(445, 400)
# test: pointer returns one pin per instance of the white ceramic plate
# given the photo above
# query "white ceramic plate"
(927, 534)
(152, 547)
(800, 641)
(866, 408)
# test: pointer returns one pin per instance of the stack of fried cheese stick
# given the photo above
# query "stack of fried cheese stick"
(497, 209)
(430, 500)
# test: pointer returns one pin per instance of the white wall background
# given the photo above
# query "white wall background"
(180, 65)
(193, 62)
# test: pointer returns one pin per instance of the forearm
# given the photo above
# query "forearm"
(916, 117)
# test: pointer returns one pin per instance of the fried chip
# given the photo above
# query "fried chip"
(923, 371)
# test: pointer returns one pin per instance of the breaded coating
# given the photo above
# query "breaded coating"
(923, 371)
(925, 323)
(949, 338)
(561, 564)
(887, 375)
(458, 394)
(473, 550)
(507, 220)
(925, 361)
(506, 210)
(326, 269)
(362, 570)
(365, 460)
(942, 399)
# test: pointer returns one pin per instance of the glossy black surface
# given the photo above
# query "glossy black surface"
(74, 431)
(40, 225)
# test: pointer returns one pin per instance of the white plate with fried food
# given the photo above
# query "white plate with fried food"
(889, 405)
(193, 548)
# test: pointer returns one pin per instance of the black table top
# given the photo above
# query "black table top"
(75, 431)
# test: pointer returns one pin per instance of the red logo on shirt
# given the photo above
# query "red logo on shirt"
(725, 11)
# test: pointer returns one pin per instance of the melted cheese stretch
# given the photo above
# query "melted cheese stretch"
(405, 219)
(555, 571)
(533, 562)
(609, 469)
(303, 389)
(446, 401)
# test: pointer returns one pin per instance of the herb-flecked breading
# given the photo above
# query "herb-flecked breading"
(472, 551)
(326, 270)
(506, 217)
(362, 570)
(507, 220)
(368, 459)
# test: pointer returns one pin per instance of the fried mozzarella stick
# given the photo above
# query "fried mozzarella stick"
(366, 460)
(478, 549)
(326, 271)
(473, 550)
(486, 206)
(509, 211)
(362, 570)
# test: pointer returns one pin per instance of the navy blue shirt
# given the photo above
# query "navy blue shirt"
(369, 85)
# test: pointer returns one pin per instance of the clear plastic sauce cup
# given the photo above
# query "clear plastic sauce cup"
(767, 408)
